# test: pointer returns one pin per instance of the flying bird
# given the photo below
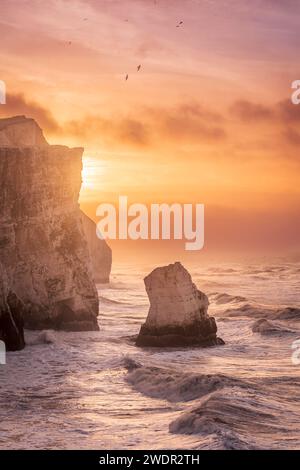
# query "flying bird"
(138, 68)
(126, 77)
(179, 24)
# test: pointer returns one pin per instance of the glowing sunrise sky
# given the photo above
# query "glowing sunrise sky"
(207, 119)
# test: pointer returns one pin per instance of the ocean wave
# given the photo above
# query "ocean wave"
(118, 285)
(108, 301)
(44, 337)
(130, 363)
(223, 298)
(157, 382)
(234, 418)
(288, 313)
(250, 310)
(259, 277)
(268, 327)
(220, 270)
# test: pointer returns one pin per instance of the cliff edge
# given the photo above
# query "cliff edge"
(46, 273)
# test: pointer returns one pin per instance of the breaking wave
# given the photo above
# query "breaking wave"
(157, 382)
(223, 298)
(262, 311)
(44, 337)
(289, 313)
(268, 327)
(250, 311)
(235, 418)
(130, 364)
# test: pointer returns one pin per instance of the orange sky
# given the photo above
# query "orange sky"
(207, 119)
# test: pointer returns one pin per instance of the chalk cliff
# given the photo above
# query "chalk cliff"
(178, 311)
(45, 263)
(20, 131)
(100, 252)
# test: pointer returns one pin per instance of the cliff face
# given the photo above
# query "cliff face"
(100, 252)
(19, 131)
(178, 311)
(43, 252)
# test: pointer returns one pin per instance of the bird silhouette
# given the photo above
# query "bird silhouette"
(179, 24)
(126, 77)
(138, 68)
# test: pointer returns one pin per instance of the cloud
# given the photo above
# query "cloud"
(288, 111)
(188, 121)
(292, 137)
(17, 104)
(280, 120)
(149, 127)
(111, 131)
(133, 131)
(251, 112)
(283, 112)
(289, 116)
(125, 130)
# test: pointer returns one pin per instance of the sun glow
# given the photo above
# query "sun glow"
(92, 173)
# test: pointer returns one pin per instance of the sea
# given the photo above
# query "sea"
(97, 390)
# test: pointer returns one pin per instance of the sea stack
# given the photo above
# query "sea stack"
(100, 252)
(46, 273)
(178, 311)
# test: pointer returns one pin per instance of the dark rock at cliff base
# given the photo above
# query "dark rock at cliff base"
(178, 311)
(11, 324)
(43, 251)
(11, 316)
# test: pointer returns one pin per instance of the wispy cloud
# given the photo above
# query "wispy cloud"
(17, 104)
